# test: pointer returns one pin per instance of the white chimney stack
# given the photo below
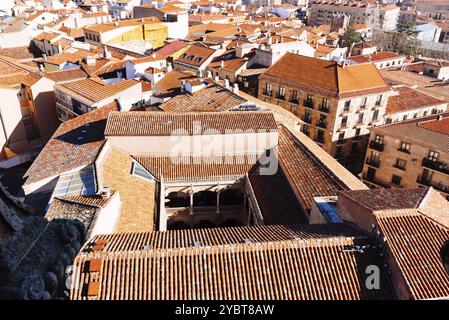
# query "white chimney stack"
(235, 88)
(209, 74)
(226, 83)
(169, 67)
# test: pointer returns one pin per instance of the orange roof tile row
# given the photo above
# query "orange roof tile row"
(410, 99)
(321, 269)
(187, 168)
(166, 123)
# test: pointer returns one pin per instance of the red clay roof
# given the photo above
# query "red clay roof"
(410, 99)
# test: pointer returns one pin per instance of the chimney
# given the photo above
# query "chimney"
(222, 64)
(440, 117)
(153, 55)
(106, 192)
(183, 85)
(90, 60)
(169, 67)
(235, 88)
(44, 56)
(209, 74)
(106, 53)
(216, 78)
(226, 83)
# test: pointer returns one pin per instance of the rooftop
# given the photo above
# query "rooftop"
(166, 123)
(76, 143)
(327, 77)
(410, 99)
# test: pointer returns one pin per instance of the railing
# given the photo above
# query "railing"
(373, 162)
(376, 146)
(279, 97)
(267, 93)
(435, 165)
(404, 150)
(308, 104)
(428, 182)
(323, 108)
(307, 119)
(321, 124)
(294, 101)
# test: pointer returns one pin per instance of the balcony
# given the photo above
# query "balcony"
(435, 165)
(323, 108)
(404, 150)
(294, 101)
(279, 97)
(428, 182)
(307, 119)
(376, 146)
(308, 104)
(322, 124)
(373, 162)
(267, 93)
(319, 139)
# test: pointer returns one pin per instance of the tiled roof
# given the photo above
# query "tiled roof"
(190, 168)
(171, 82)
(212, 98)
(89, 200)
(276, 199)
(410, 99)
(137, 196)
(95, 89)
(60, 209)
(75, 143)
(428, 131)
(195, 52)
(66, 75)
(375, 57)
(315, 269)
(326, 77)
(308, 176)
(415, 243)
(186, 238)
(171, 48)
(386, 199)
(165, 123)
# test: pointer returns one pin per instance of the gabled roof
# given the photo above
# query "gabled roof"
(76, 143)
(96, 90)
(410, 99)
(164, 123)
(212, 98)
(327, 77)
(195, 55)
(431, 131)
(324, 268)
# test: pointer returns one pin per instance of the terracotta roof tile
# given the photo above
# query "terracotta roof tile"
(164, 123)
(64, 151)
(308, 177)
(326, 77)
(410, 99)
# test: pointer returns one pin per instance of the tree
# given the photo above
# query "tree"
(408, 28)
(350, 36)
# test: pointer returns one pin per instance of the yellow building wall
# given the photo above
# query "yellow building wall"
(155, 33)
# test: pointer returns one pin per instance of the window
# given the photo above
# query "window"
(306, 129)
(404, 117)
(379, 139)
(294, 96)
(77, 183)
(183, 55)
(405, 147)
(378, 100)
(364, 103)
(139, 171)
(357, 132)
(433, 156)
(344, 121)
(281, 93)
(341, 136)
(198, 59)
(400, 164)
(396, 180)
(309, 101)
(375, 115)
(360, 119)
(347, 105)
(268, 88)
(190, 58)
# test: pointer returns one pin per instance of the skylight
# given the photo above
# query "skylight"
(77, 183)
(139, 171)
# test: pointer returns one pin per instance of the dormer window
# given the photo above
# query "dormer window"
(190, 58)
(183, 55)
(198, 59)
